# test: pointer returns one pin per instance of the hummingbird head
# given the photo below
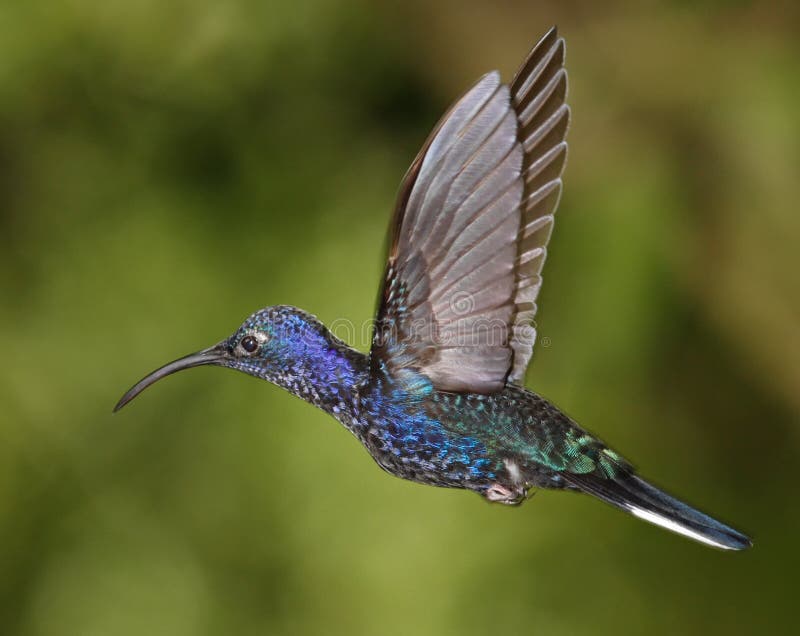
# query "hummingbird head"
(281, 344)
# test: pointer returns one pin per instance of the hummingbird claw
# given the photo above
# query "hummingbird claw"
(498, 493)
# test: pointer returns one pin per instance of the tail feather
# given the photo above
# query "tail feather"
(634, 495)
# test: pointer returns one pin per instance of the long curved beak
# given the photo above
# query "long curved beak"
(212, 355)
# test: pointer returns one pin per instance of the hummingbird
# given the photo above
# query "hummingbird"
(440, 397)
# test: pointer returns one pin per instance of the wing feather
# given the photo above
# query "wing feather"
(539, 92)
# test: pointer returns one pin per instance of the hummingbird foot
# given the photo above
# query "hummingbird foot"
(498, 493)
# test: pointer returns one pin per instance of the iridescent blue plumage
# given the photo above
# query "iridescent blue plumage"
(439, 398)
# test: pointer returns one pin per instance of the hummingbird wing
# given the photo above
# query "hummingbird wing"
(469, 235)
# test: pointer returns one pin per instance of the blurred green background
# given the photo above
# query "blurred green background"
(167, 168)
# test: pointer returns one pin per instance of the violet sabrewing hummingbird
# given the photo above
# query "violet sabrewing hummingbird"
(440, 398)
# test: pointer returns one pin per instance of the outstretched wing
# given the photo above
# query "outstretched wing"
(469, 237)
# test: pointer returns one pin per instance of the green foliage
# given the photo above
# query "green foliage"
(167, 168)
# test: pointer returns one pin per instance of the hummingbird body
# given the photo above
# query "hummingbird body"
(498, 445)
(440, 399)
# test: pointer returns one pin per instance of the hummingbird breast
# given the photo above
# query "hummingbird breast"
(408, 443)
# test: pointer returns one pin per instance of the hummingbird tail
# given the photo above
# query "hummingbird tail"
(634, 495)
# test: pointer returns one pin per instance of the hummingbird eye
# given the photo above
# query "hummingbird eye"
(249, 344)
